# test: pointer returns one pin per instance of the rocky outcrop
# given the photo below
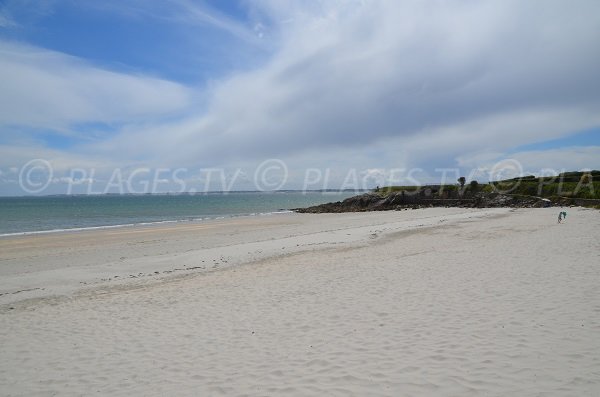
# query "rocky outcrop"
(401, 200)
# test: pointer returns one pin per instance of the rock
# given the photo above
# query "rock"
(400, 200)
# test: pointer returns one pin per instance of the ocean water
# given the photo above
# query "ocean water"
(55, 213)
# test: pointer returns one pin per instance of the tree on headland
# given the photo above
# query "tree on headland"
(462, 181)
(474, 185)
(585, 178)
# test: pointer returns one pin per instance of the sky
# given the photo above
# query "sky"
(184, 95)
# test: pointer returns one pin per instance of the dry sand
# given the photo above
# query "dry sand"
(437, 302)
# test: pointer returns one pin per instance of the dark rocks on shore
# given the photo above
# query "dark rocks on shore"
(402, 200)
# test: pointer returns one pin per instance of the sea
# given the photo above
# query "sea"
(46, 214)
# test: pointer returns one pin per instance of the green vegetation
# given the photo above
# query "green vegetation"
(583, 185)
(565, 186)
(385, 191)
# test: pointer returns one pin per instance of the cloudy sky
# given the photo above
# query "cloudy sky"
(323, 87)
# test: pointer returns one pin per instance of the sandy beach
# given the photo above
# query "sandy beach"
(430, 302)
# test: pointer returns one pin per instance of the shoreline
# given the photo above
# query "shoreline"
(57, 213)
(62, 263)
(140, 224)
(440, 301)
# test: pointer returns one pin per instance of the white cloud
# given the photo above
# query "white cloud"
(52, 90)
(199, 13)
(15, 157)
(183, 12)
(547, 162)
(474, 76)
(369, 85)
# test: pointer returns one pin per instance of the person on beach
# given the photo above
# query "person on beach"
(562, 215)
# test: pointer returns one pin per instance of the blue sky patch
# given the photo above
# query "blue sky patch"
(589, 137)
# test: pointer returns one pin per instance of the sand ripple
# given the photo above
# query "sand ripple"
(507, 306)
